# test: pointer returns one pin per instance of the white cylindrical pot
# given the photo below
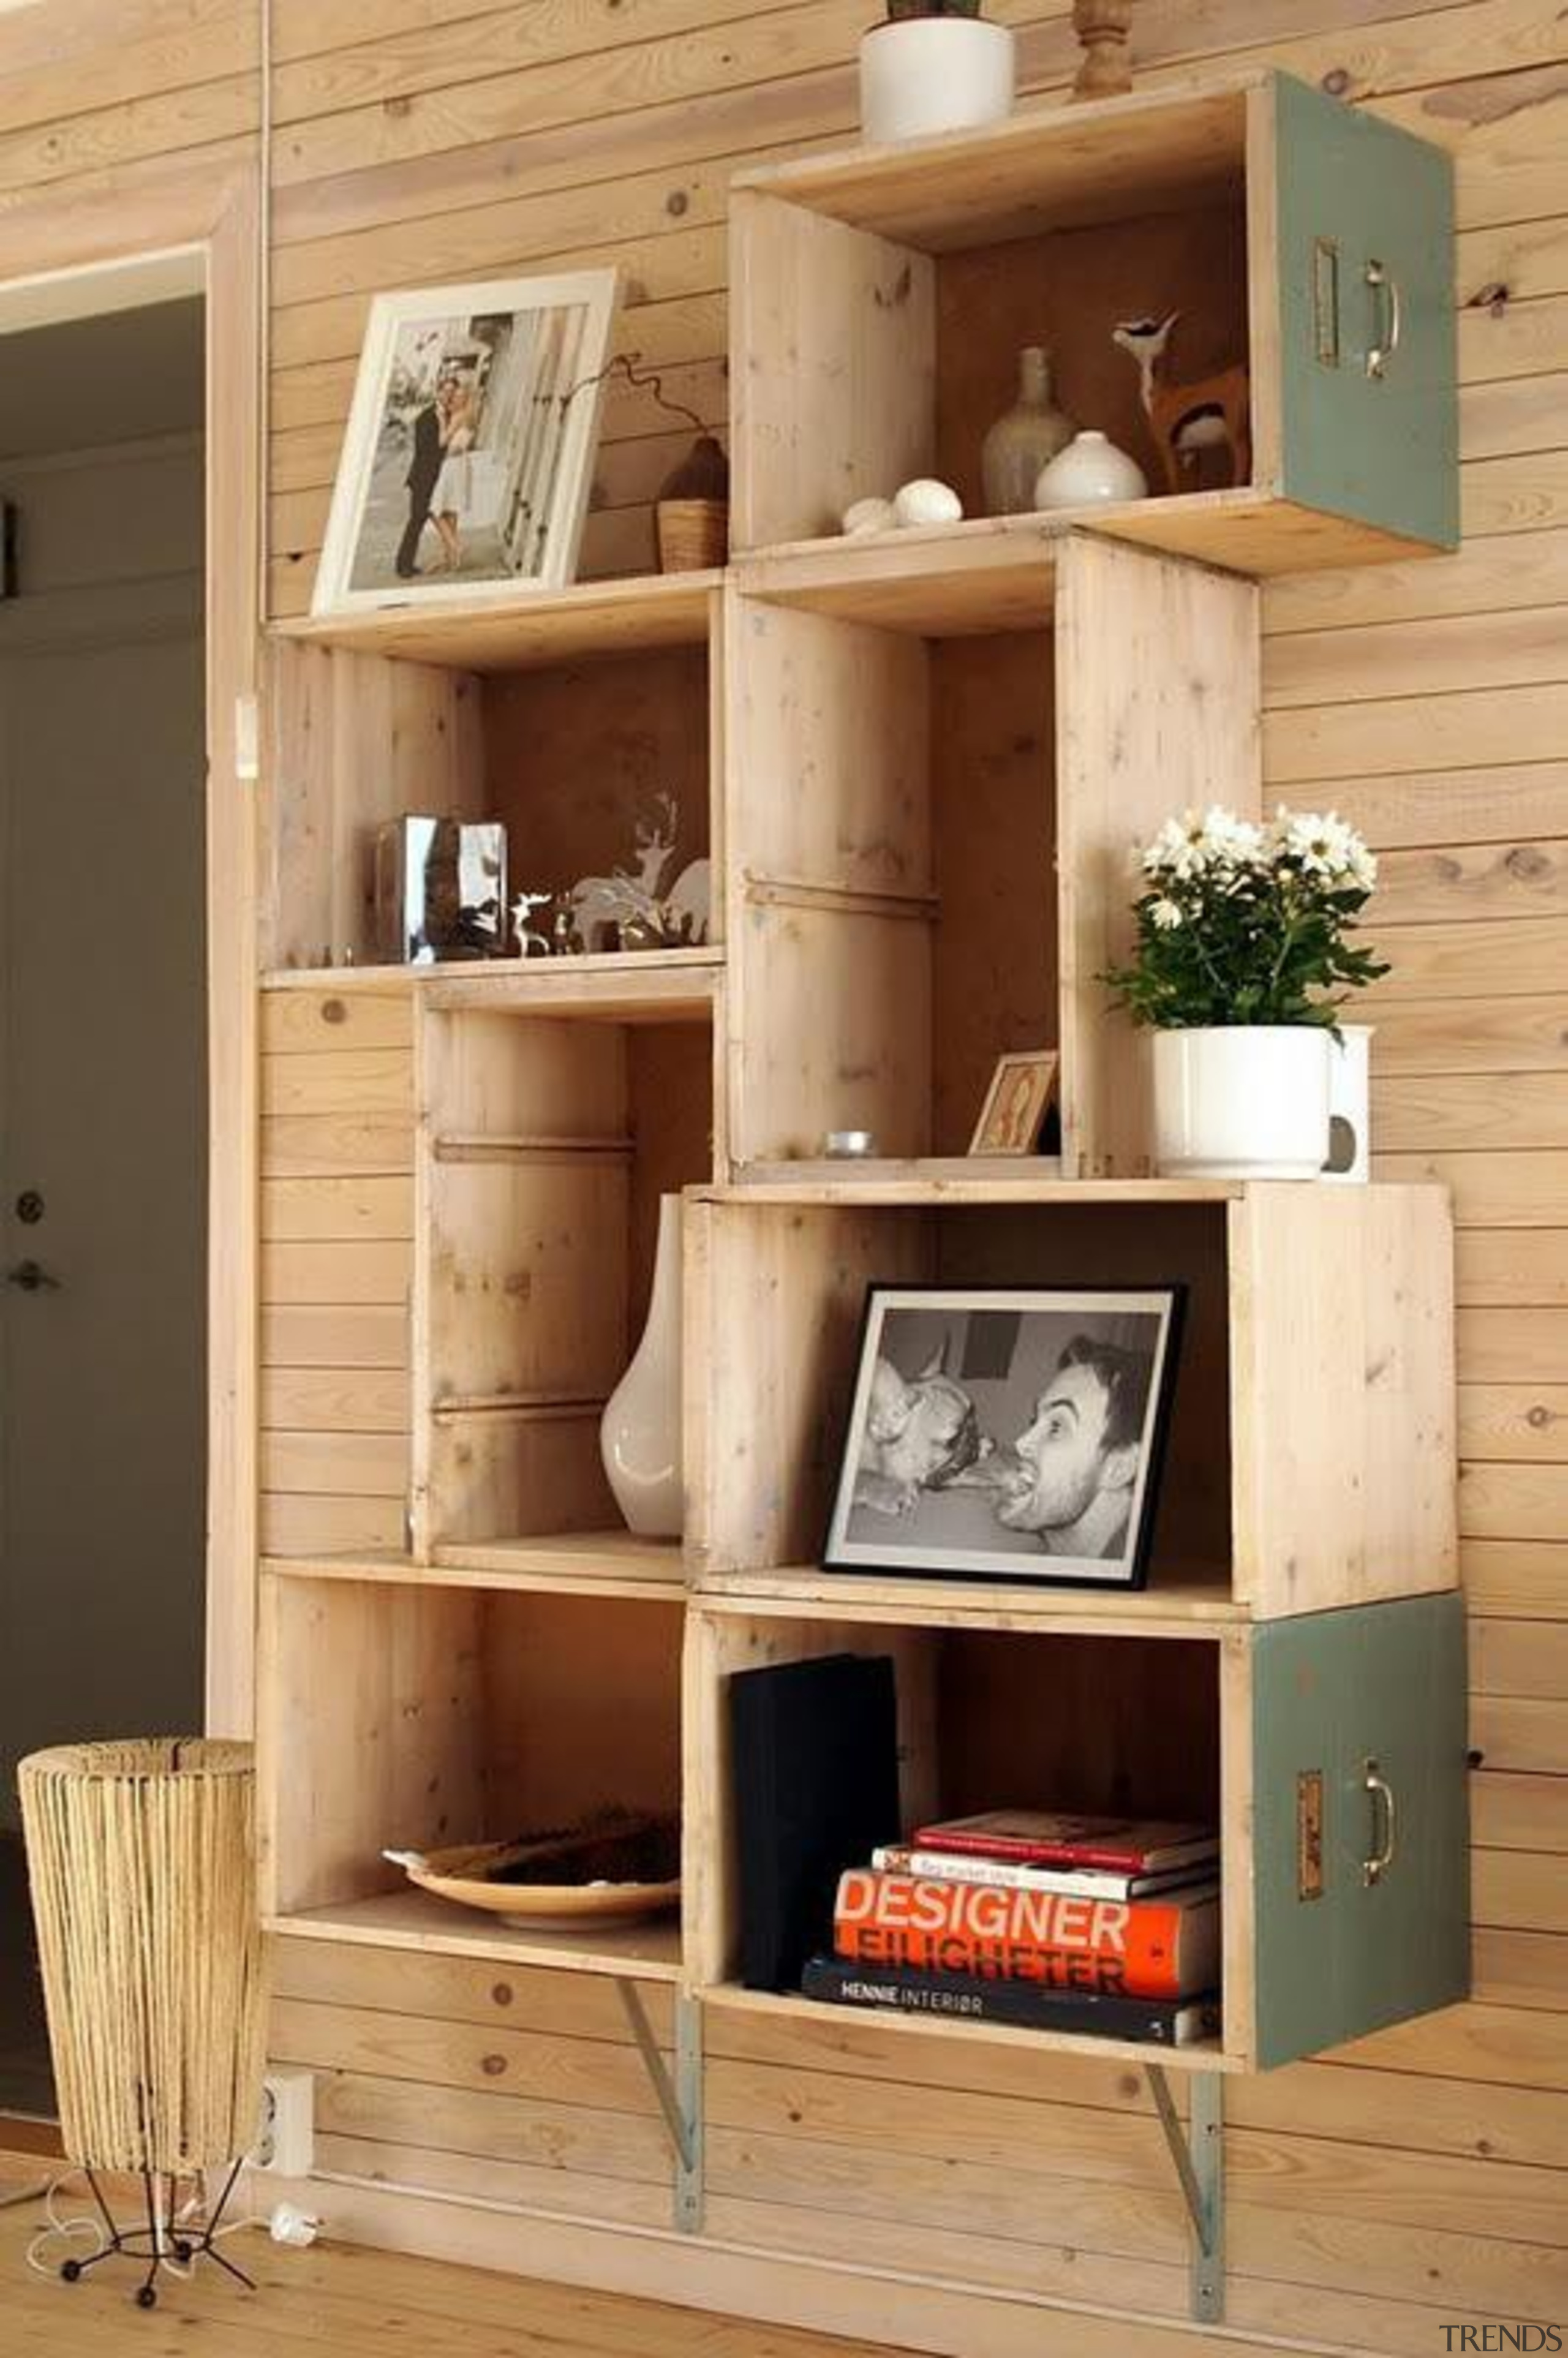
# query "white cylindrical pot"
(1349, 1104)
(1242, 1101)
(922, 74)
(639, 1434)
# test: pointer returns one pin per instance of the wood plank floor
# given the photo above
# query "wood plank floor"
(330, 2303)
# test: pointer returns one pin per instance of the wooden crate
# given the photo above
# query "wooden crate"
(880, 298)
(1311, 1461)
(1232, 1726)
(567, 721)
(936, 782)
(547, 1133)
(400, 1715)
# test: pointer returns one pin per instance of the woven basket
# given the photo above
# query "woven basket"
(692, 534)
(142, 1861)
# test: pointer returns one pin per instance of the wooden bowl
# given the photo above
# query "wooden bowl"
(598, 1874)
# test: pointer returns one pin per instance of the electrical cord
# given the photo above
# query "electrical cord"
(58, 2231)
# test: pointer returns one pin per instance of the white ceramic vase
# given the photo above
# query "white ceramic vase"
(1091, 468)
(1242, 1101)
(922, 74)
(640, 1434)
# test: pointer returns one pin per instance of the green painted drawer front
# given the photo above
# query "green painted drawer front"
(1333, 1692)
(1354, 192)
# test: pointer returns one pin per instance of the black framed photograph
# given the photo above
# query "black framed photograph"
(1007, 1433)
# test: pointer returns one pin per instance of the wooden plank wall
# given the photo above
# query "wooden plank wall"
(337, 1225)
(1421, 2179)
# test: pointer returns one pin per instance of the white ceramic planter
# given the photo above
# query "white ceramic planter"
(923, 74)
(1349, 1103)
(1242, 1102)
(640, 1435)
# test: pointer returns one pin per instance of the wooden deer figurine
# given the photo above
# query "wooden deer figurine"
(1213, 412)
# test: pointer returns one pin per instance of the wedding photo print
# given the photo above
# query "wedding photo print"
(1014, 1433)
(467, 462)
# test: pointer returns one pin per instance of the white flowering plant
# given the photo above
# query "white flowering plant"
(1245, 923)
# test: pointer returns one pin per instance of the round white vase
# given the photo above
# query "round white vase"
(639, 1434)
(922, 74)
(1091, 468)
(1243, 1101)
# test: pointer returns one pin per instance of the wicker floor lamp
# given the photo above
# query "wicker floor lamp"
(141, 1859)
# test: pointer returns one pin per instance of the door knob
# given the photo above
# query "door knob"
(31, 1277)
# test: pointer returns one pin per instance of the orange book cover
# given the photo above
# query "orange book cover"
(1139, 1948)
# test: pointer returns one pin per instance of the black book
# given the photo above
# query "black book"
(975, 1997)
(816, 1787)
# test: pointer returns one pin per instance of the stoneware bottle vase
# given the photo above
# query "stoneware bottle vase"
(640, 1434)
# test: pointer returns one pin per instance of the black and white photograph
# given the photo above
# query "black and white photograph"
(1014, 1433)
(470, 443)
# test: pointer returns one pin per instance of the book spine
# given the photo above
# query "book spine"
(1002, 1874)
(1130, 1948)
(1023, 2005)
(1100, 1857)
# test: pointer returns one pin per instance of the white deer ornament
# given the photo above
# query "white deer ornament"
(603, 908)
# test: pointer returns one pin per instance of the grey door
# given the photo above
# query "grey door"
(1362, 1821)
(102, 1129)
(1365, 266)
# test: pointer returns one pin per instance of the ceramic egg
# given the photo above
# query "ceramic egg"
(925, 501)
(868, 515)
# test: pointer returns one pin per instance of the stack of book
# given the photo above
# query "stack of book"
(1107, 1926)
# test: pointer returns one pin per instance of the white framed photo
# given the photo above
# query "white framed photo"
(470, 443)
(1007, 1433)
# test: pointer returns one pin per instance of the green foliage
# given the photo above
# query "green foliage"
(1240, 924)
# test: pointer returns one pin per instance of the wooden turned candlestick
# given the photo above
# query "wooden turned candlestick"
(1103, 28)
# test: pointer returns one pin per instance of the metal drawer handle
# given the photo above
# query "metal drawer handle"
(1374, 1868)
(1382, 282)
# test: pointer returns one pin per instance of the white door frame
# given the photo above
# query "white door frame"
(63, 255)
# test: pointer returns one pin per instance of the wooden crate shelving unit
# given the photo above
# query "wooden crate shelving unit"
(918, 763)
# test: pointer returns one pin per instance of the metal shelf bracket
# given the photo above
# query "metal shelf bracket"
(680, 2097)
(1198, 2153)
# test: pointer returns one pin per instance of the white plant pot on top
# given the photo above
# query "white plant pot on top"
(1242, 1101)
(923, 74)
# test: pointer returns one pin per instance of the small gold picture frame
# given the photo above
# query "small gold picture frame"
(1017, 1102)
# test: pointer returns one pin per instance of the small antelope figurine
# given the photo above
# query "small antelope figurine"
(1212, 414)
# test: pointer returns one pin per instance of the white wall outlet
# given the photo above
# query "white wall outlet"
(285, 2138)
(247, 737)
